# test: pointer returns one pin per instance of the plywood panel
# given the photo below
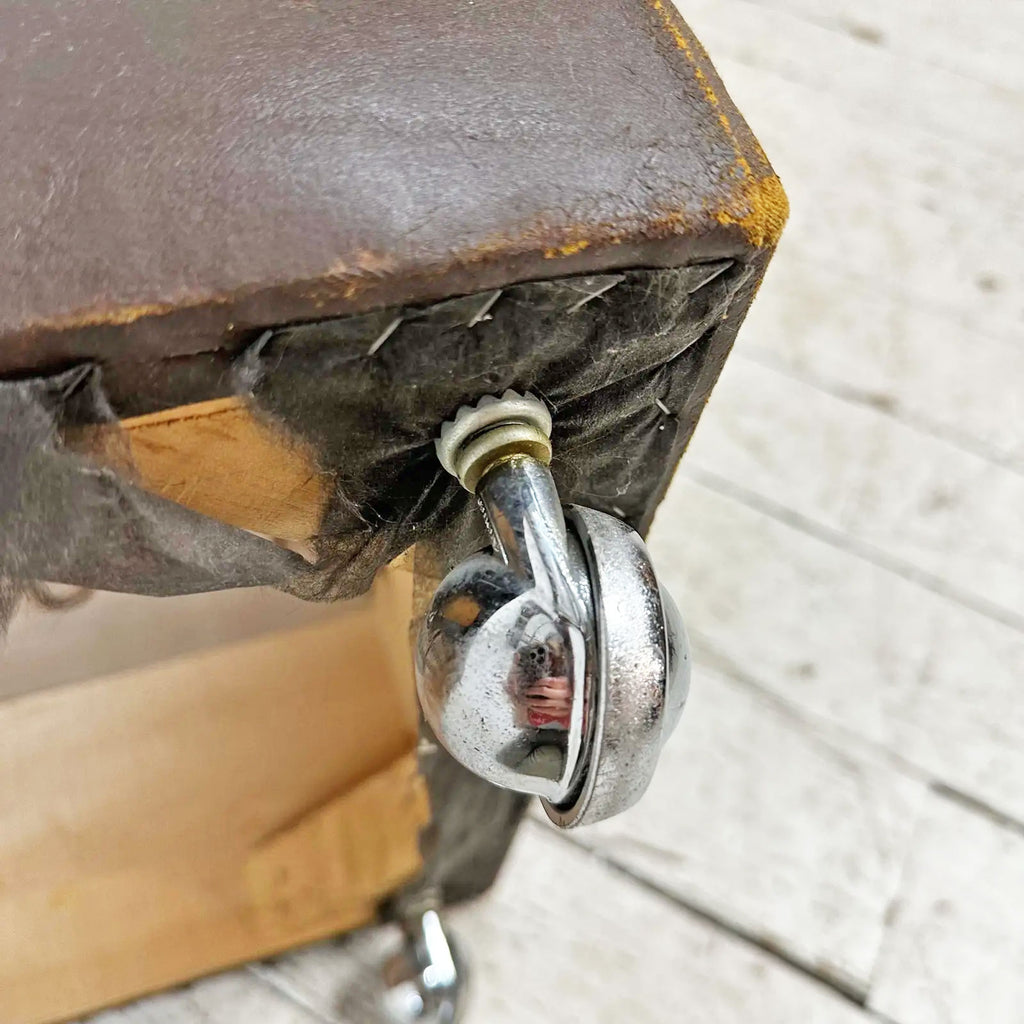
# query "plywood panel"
(218, 458)
(110, 633)
(168, 821)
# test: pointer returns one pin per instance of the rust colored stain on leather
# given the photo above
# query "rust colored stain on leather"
(179, 173)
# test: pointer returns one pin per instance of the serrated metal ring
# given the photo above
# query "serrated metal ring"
(471, 441)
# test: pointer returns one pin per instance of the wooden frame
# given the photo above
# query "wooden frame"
(172, 819)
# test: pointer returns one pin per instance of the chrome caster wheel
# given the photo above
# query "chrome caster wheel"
(556, 665)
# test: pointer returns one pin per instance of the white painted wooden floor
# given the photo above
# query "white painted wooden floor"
(836, 831)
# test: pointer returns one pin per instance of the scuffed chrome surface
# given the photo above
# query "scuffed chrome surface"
(425, 981)
(642, 671)
(502, 657)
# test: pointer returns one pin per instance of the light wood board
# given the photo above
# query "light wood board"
(177, 818)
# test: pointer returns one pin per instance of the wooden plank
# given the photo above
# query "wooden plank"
(913, 210)
(915, 499)
(918, 285)
(908, 360)
(219, 459)
(111, 633)
(233, 998)
(340, 981)
(875, 79)
(909, 211)
(791, 835)
(896, 311)
(562, 934)
(979, 40)
(205, 810)
(955, 951)
(848, 642)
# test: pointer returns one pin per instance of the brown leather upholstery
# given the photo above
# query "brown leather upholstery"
(179, 174)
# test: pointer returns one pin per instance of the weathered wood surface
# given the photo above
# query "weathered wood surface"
(566, 937)
(837, 811)
(954, 952)
(113, 632)
(843, 640)
(226, 999)
(910, 501)
(737, 843)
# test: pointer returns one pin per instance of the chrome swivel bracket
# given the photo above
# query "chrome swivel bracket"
(425, 982)
(555, 664)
